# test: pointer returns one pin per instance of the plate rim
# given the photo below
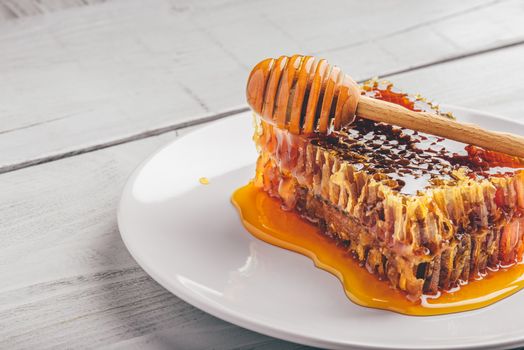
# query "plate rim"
(237, 318)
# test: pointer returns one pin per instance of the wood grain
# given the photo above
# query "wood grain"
(13, 9)
(67, 279)
(95, 75)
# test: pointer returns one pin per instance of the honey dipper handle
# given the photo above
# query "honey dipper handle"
(387, 112)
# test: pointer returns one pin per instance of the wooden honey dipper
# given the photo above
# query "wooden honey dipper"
(304, 94)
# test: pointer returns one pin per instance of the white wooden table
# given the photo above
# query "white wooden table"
(88, 88)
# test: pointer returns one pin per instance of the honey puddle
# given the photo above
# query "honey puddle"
(263, 217)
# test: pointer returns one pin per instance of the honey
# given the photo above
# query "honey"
(263, 217)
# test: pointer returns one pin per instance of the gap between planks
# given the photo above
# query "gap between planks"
(227, 113)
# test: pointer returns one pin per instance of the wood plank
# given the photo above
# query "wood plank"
(67, 279)
(95, 75)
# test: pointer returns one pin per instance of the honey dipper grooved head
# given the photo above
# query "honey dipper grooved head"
(303, 94)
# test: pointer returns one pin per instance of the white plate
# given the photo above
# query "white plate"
(188, 237)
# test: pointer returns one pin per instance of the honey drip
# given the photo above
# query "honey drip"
(263, 217)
